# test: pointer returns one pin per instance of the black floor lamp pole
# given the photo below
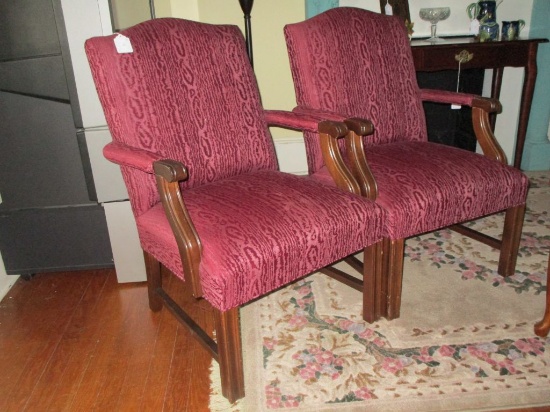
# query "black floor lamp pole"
(246, 6)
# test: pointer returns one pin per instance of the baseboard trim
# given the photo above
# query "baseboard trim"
(291, 153)
(6, 283)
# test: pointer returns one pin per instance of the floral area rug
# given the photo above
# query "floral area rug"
(464, 340)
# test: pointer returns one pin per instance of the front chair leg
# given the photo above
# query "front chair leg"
(228, 335)
(154, 281)
(511, 237)
(374, 284)
(394, 250)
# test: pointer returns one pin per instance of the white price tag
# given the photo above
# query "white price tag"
(123, 44)
(474, 27)
(456, 106)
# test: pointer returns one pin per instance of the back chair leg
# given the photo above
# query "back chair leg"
(154, 281)
(394, 251)
(228, 336)
(511, 236)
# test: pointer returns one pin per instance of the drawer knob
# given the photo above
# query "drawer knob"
(464, 56)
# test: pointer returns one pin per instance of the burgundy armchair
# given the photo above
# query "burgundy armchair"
(355, 65)
(193, 145)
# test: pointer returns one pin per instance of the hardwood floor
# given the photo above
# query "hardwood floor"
(82, 342)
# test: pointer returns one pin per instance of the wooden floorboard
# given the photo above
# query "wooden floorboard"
(82, 342)
(59, 374)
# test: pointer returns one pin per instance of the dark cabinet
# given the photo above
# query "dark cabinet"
(47, 220)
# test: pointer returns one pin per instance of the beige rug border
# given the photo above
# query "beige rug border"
(255, 400)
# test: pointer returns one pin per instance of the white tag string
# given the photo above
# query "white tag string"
(457, 106)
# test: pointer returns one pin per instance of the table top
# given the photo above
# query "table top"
(429, 56)
(461, 40)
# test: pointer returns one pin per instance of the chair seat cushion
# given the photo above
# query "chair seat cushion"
(425, 186)
(244, 255)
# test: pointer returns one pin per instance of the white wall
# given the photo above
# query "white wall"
(126, 13)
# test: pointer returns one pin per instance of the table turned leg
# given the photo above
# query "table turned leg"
(543, 327)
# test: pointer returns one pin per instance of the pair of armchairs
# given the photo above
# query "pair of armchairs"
(193, 144)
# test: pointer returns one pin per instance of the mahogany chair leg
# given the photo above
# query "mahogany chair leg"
(543, 327)
(154, 281)
(228, 336)
(374, 284)
(511, 236)
(394, 251)
(228, 348)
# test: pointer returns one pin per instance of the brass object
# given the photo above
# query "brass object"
(464, 56)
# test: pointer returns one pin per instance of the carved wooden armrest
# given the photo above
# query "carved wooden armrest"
(358, 159)
(128, 156)
(329, 133)
(481, 108)
(168, 174)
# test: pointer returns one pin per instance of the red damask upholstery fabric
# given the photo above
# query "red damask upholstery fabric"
(194, 99)
(426, 188)
(154, 112)
(356, 63)
(248, 228)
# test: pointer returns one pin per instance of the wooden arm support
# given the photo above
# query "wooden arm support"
(359, 165)
(485, 137)
(168, 174)
(329, 133)
(481, 108)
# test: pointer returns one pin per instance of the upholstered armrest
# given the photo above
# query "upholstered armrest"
(124, 155)
(319, 114)
(168, 175)
(464, 99)
(290, 120)
(305, 123)
(481, 107)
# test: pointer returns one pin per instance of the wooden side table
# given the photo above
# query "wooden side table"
(543, 327)
(488, 55)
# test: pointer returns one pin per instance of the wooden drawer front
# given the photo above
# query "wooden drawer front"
(483, 56)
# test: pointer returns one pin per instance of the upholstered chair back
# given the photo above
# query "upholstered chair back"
(334, 70)
(210, 102)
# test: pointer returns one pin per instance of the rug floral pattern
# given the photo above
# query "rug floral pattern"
(347, 361)
(318, 354)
